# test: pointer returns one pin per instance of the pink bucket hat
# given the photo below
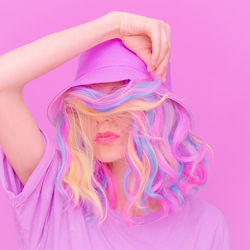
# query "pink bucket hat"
(106, 62)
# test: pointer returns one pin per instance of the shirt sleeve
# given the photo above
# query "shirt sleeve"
(221, 239)
(42, 174)
(33, 202)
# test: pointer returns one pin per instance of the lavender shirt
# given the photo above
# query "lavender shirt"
(41, 223)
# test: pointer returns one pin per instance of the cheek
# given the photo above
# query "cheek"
(90, 128)
(124, 139)
(123, 144)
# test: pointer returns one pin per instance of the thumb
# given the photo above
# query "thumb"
(146, 55)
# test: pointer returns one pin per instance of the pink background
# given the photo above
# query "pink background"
(210, 71)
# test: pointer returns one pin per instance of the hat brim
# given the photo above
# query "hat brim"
(122, 72)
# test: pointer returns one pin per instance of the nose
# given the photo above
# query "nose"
(102, 119)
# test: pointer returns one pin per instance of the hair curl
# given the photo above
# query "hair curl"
(165, 159)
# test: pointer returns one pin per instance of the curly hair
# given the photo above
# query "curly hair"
(165, 159)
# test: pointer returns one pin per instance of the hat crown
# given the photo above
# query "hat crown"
(111, 53)
(108, 61)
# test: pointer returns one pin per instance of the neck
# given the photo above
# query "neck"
(118, 169)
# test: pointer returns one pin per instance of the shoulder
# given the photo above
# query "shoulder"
(202, 211)
(210, 220)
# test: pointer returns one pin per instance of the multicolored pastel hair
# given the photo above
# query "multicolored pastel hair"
(165, 159)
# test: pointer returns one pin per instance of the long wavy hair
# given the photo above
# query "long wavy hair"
(165, 159)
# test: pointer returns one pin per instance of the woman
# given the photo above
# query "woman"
(126, 152)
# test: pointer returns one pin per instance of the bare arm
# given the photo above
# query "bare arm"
(23, 64)
(20, 138)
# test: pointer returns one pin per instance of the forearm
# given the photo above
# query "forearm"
(23, 64)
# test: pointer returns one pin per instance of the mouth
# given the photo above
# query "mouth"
(107, 137)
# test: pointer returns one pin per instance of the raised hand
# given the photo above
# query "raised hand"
(149, 38)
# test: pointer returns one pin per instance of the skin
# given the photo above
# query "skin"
(140, 34)
(113, 152)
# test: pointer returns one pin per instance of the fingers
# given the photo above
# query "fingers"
(168, 33)
(163, 44)
(163, 59)
(155, 35)
(164, 51)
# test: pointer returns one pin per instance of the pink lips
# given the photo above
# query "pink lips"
(106, 137)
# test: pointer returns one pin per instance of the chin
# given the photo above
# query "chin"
(109, 157)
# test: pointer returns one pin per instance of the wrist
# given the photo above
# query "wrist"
(111, 21)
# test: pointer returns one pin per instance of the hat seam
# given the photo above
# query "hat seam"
(108, 67)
